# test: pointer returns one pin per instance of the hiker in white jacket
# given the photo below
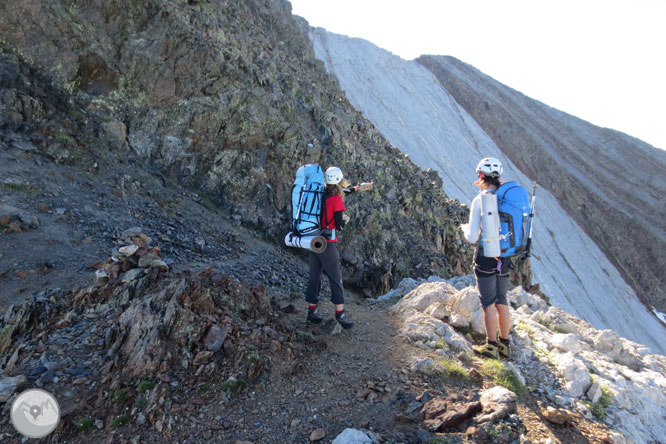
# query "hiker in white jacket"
(492, 273)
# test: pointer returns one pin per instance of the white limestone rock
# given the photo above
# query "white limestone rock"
(566, 342)
(466, 302)
(575, 374)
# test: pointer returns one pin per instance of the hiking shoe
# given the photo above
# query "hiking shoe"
(504, 350)
(343, 320)
(487, 350)
(314, 317)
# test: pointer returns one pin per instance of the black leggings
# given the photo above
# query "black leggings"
(329, 262)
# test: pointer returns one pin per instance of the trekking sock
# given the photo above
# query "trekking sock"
(337, 312)
(492, 343)
(313, 315)
(504, 341)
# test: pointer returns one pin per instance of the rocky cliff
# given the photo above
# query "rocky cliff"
(611, 184)
(227, 99)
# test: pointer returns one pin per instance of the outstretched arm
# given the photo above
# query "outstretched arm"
(365, 186)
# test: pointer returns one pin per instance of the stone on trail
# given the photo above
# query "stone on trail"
(352, 436)
(557, 416)
(9, 385)
(317, 435)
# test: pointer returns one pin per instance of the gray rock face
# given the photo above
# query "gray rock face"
(598, 175)
(229, 112)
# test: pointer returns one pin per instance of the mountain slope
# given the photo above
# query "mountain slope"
(227, 99)
(611, 184)
(407, 103)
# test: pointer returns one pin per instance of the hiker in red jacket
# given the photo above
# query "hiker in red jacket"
(333, 221)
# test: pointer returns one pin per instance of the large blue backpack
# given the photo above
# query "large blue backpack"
(513, 205)
(307, 199)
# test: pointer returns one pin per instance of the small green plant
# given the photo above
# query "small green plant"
(440, 344)
(84, 424)
(203, 388)
(501, 375)
(76, 115)
(145, 386)
(598, 409)
(118, 397)
(522, 326)
(64, 138)
(140, 402)
(15, 186)
(119, 420)
(234, 385)
(453, 370)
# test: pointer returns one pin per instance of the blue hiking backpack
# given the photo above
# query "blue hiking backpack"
(307, 200)
(513, 205)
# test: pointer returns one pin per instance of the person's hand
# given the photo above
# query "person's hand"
(365, 186)
(345, 218)
(464, 228)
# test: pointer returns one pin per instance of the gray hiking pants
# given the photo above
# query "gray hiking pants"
(328, 262)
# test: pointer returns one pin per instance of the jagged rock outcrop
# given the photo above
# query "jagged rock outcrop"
(227, 98)
(598, 175)
(565, 360)
(151, 334)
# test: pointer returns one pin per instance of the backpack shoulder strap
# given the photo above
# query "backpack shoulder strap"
(323, 209)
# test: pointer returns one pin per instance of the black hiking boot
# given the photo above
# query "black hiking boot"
(343, 320)
(314, 317)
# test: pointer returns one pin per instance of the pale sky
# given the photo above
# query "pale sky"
(601, 60)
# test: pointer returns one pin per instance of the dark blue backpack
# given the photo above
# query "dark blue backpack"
(513, 204)
(307, 200)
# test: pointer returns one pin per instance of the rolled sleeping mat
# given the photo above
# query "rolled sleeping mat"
(316, 244)
(490, 223)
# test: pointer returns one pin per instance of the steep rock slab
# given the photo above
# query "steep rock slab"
(407, 103)
(597, 174)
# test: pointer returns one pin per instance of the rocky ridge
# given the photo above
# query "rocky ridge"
(563, 359)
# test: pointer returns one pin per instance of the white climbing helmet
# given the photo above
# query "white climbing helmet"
(490, 167)
(333, 175)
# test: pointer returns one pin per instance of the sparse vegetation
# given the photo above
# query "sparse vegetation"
(64, 138)
(503, 376)
(598, 409)
(118, 397)
(17, 187)
(452, 369)
(234, 385)
(119, 420)
(84, 424)
(145, 386)
(140, 402)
